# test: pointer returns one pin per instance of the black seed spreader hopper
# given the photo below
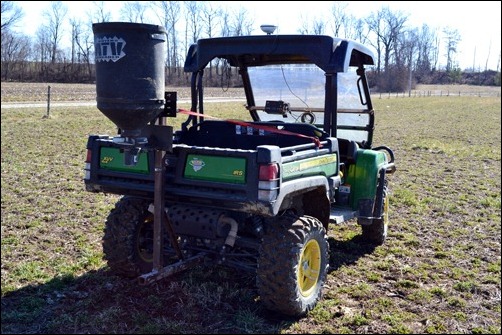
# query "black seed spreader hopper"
(130, 83)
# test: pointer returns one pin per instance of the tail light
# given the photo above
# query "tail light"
(87, 168)
(268, 183)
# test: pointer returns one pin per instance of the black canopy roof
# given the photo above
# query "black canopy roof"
(330, 54)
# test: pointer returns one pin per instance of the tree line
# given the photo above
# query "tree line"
(405, 55)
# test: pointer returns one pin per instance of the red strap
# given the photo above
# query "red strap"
(256, 126)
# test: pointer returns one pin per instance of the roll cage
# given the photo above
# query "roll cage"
(333, 57)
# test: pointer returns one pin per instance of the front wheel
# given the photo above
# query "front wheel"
(292, 264)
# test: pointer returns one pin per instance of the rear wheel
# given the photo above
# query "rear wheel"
(128, 238)
(292, 265)
(376, 233)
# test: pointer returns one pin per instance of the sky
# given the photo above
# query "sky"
(478, 22)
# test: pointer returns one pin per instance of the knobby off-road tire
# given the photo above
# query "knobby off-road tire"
(292, 264)
(128, 238)
(376, 233)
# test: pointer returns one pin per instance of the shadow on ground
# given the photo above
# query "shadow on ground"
(201, 300)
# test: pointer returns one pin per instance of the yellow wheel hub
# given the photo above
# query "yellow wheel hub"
(145, 242)
(386, 210)
(309, 268)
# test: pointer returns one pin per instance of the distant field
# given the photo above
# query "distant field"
(439, 271)
(38, 92)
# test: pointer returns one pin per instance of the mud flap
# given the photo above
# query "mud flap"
(365, 208)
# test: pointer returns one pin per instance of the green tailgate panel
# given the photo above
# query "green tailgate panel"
(325, 165)
(113, 159)
(216, 168)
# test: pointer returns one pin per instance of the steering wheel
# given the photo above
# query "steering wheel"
(308, 117)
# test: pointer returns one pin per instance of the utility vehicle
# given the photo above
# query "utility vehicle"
(256, 190)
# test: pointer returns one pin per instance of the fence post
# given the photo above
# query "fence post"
(48, 100)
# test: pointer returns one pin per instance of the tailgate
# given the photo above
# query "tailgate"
(213, 168)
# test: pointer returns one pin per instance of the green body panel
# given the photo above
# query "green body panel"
(325, 165)
(216, 168)
(113, 159)
(363, 175)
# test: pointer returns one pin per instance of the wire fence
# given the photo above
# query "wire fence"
(436, 93)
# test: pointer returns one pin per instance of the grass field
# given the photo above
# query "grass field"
(438, 272)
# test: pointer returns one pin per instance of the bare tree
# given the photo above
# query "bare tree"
(42, 49)
(133, 11)
(11, 14)
(339, 16)
(387, 26)
(374, 22)
(99, 14)
(55, 17)
(192, 23)
(488, 56)
(241, 23)
(474, 59)
(345, 25)
(319, 26)
(315, 26)
(425, 50)
(169, 15)
(435, 57)
(452, 39)
(498, 64)
(225, 30)
(15, 54)
(360, 30)
(392, 26)
(193, 11)
(210, 18)
(11, 42)
(304, 25)
(82, 45)
(407, 51)
(73, 23)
